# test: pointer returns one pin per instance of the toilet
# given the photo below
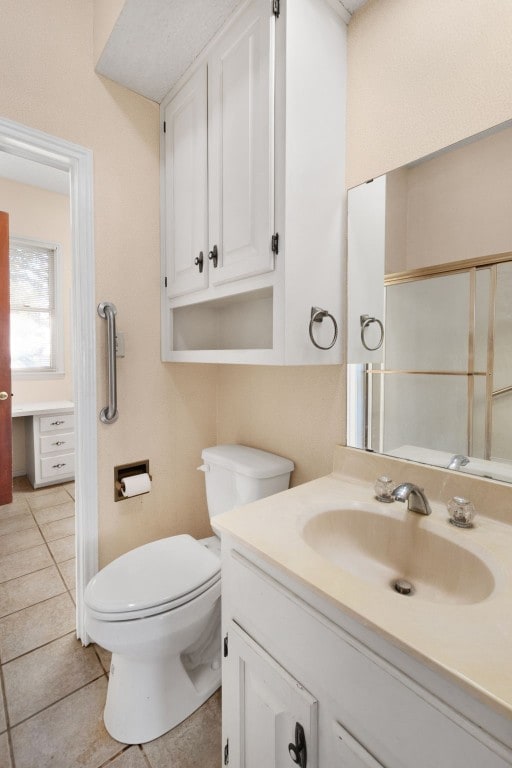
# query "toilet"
(157, 607)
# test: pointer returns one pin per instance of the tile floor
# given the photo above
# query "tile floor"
(52, 688)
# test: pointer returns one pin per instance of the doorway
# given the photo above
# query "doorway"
(46, 150)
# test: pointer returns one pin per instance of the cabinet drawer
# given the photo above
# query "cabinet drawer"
(58, 422)
(57, 466)
(57, 443)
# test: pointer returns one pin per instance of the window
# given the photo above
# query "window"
(35, 328)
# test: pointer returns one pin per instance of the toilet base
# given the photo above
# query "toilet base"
(145, 698)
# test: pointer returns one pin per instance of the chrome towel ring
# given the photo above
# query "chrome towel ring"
(317, 316)
(366, 321)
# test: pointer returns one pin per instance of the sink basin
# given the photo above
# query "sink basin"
(381, 547)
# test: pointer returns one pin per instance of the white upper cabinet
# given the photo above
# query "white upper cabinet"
(186, 184)
(241, 146)
(253, 191)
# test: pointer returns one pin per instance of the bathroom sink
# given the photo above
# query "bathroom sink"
(382, 546)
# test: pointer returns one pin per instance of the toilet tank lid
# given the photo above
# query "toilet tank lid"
(251, 462)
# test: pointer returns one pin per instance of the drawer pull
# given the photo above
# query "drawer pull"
(58, 466)
(57, 423)
(59, 442)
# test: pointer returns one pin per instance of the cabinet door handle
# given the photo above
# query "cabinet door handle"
(298, 751)
(56, 423)
(59, 442)
(214, 256)
(58, 466)
(199, 261)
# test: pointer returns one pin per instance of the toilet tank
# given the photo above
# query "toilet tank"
(236, 475)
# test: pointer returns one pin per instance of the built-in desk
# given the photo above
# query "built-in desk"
(49, 440)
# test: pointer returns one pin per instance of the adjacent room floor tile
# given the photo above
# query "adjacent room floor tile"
(21, 484)
(19, 522)
(5, 754)
(69, 733)
(42, 677)
(68, 572)
(19, 593)
(48, 498)
(195, 742)
(58, 529)
(18, 505)
(32, 627)
(15, 542)
(70, 488)
(62, 549)
(49, 514)
(26, 561)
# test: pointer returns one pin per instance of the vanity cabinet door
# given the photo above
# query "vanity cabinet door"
(350, 753)
(186, 187)
(269, 719)
(240, 98)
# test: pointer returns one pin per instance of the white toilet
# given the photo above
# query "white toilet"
(157, 608)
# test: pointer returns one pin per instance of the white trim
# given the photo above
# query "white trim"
(17, 139)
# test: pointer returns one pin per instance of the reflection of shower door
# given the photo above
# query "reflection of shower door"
(5, 367)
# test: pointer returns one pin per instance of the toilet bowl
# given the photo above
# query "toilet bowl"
(157, 607)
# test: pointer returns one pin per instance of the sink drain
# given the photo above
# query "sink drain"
(403, 587)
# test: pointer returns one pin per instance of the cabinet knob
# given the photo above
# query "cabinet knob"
(214, 255)
(58, 466)
(199, 261)
(56, 423)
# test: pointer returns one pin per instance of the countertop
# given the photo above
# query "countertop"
(469, 643)
(42, 408)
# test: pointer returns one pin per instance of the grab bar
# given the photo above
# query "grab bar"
(107, 311)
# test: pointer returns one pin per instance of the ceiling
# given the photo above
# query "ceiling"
(154, 42)
(32, 173)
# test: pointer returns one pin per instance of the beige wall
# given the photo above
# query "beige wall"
(295, 412)
(167, 412)
(423, 75)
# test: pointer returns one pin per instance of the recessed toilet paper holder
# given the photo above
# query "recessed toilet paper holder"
(128, 470)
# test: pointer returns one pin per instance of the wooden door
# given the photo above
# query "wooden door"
(5, 367)
(241, 146)
(266, 712)
(186, 187)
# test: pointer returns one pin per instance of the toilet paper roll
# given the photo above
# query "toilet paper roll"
(136, 484)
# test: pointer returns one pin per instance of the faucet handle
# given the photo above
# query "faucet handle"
(462, 512)
(383, 487)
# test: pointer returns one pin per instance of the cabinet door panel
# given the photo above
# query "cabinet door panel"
(241, 84)
(262, 706)
(350, 752)
(186, 186)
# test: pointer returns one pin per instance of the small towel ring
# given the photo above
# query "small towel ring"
(317, 315)
(366, 321)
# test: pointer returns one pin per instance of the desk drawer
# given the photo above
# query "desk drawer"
(57, 443)
(58, 422)
(57, 466)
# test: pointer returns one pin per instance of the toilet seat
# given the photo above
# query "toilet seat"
(152, 579)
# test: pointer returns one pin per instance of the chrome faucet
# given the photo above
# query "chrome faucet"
(415, 497)
(457, 461)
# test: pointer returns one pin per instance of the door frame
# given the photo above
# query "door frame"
(31, 144)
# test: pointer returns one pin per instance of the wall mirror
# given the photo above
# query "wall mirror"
(429, 347)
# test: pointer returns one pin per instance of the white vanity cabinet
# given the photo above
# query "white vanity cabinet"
(253, 190)
(50, 448)
(287, 662)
